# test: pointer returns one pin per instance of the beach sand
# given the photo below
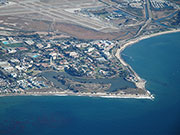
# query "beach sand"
(141, 82)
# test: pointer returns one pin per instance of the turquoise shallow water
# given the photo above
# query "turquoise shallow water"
(156, 59)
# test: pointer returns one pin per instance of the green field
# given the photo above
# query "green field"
(12, 45)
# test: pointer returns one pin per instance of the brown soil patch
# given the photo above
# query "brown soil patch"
(69, 29)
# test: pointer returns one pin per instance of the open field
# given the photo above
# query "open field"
(57, 16)
(84, 19)
(55, 10)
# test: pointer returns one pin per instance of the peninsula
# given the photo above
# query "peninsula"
(56, 48)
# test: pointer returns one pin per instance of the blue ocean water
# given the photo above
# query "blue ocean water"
(156, 59)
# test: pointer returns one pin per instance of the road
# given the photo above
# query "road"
(57, 13)
(118, 8)
(148, 19)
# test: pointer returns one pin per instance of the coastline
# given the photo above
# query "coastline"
(133, 41)
(141, 82)
(70, 93)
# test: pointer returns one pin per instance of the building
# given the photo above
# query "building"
(3, 1)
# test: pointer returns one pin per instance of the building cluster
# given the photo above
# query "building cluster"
(14, 77)
(3, 1)
(114, 17)
(130, 3)
(135, 3)
(159, 4)
(23, 58)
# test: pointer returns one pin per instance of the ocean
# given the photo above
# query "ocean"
(157, 60)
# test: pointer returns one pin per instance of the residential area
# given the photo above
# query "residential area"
(23, 58)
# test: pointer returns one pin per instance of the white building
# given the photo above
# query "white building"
(3, 1)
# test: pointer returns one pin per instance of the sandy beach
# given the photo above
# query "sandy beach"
(140, 83)
(130, 42)
(70, 93)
